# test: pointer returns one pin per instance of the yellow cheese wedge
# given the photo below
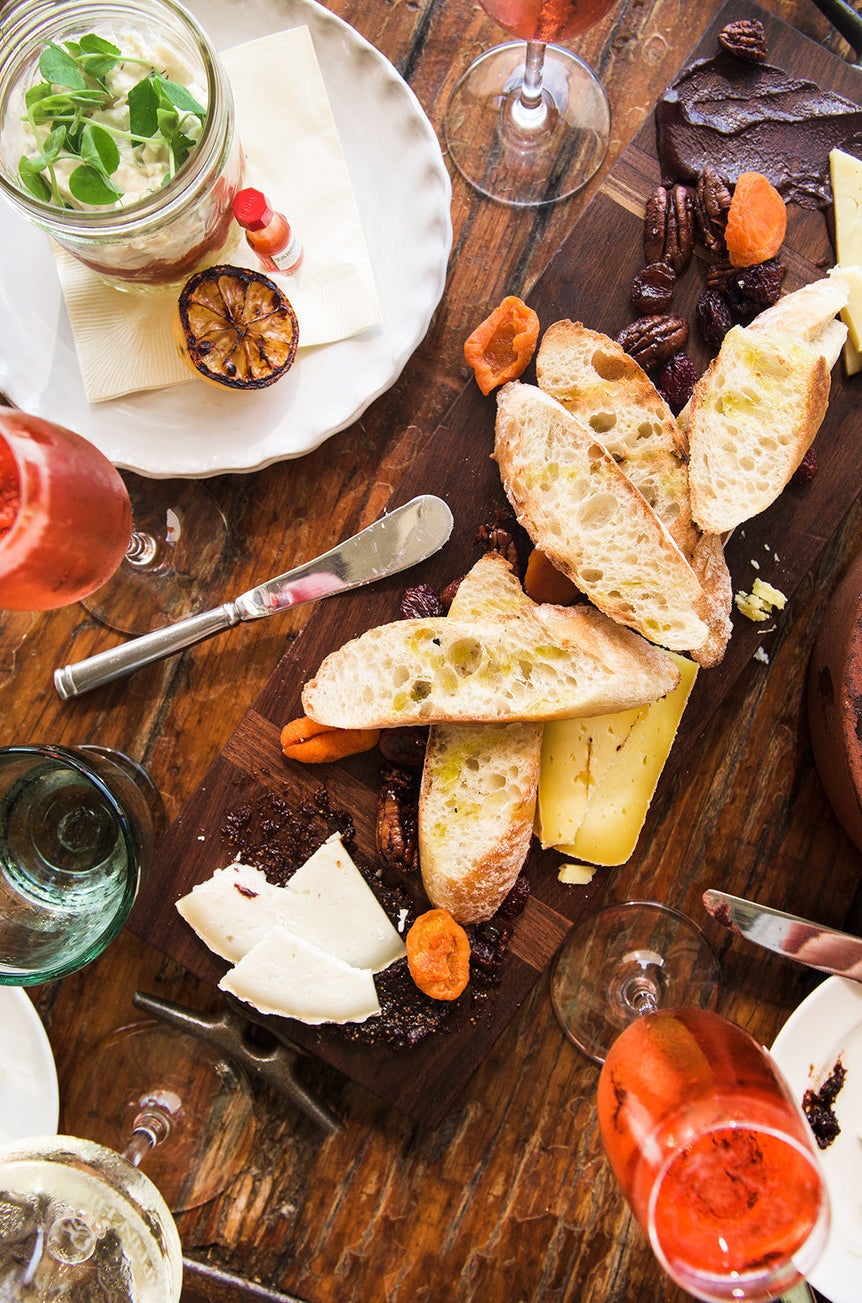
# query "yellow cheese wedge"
(618, 805)
(576, 754)
(846, 176)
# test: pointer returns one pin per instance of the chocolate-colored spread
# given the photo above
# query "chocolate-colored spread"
(753, 117)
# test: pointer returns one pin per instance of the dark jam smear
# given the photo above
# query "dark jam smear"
(750, 117)
(818, 1107)
(277, 838)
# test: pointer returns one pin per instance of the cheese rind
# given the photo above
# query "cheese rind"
(327, 901)
(284, 974)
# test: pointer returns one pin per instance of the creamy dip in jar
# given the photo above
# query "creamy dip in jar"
(165, 217)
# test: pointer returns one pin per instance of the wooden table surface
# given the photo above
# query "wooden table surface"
(510, 1198)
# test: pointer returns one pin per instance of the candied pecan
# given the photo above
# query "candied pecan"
(744, 39)
(499, 537)
(397, 819)
(419, 602)
(404, 747)
(711, 206)
(669, 227)
(653, 340)
(447, 596)
(675, 381)
(713, 317)
(652, 288)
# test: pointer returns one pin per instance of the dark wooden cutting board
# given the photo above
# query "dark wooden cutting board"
(588, 279)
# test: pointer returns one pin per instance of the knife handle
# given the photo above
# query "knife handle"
(116, 662)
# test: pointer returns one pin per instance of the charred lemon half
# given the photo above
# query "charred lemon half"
(236, 328)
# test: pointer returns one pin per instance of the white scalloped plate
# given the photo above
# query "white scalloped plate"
(403, 192)
(29, 1101)
(828, 1026)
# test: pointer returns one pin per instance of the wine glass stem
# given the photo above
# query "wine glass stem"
(150, 1129)
(142, 550)
(529, 109)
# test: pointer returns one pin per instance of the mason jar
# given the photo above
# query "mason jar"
(144, 239)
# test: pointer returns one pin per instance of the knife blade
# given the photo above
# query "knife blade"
(795, 938)
(395, 542)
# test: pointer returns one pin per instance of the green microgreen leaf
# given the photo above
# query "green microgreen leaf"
(91, 186)
(143, 104)
(58, 67)
(99, 149)
(73, 90)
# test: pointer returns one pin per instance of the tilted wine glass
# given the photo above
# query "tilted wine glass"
(529, 122)
(137, 553)
(711, 1150)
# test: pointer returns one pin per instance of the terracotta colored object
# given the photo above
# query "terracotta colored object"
(835, 702)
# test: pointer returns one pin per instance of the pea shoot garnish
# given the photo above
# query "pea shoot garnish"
(66, 112)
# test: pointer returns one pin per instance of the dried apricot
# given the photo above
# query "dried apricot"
(317, 744)
(502, 347)
(438, 955)
(545, 583)
(756, 221)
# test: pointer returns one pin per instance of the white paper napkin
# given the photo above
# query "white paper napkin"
(125, 341)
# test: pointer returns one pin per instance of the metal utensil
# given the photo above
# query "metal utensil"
(229, 1031)
(395, 542)
(795, 938)
(846, 21)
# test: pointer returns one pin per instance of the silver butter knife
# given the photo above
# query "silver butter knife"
(796, 938)
(395, 542)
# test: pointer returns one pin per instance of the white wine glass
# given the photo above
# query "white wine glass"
(528, 123)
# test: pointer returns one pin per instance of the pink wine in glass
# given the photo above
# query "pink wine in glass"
(546, 20)
(713, 1155)
(65, 515)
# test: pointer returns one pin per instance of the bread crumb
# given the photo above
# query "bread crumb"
(575, 875)
(755, 565)
(762, 655)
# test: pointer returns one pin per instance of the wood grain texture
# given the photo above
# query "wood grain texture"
(509, 1198)
(587, 279)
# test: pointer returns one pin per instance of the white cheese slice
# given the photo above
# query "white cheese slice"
(285, 974)
(609, 831)
(327, 901)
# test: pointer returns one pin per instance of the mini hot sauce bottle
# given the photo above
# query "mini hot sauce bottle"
(268, 233)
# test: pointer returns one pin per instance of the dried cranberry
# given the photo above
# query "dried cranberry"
(713, 317)
(676, 380)
(807, 468)
(404, 747)
(419, 602)
(759, 284)
(652, 288)
(515, 902)
(447, 596)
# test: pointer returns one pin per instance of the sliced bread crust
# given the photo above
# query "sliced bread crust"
(545, 663)
(753, 416)
(479, 781)
(588, 518)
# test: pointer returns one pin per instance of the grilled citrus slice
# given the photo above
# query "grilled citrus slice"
(236, 327)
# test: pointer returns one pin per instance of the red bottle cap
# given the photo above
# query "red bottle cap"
(251, 209)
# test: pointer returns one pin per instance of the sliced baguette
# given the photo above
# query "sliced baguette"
(541, 663)
(479, 781)
(753, 416)
(597, 381)
(591, 522)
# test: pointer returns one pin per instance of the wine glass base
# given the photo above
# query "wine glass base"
(180, 567)
(145, 1068)
(527, 164)
(624, 960)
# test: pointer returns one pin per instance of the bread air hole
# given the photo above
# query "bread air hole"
(598, 511)
(602, 422)
(608, 366)
(465, 656)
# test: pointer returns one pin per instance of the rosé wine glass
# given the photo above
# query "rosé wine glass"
(529, 122)
(72, 528)
(711, 1151)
